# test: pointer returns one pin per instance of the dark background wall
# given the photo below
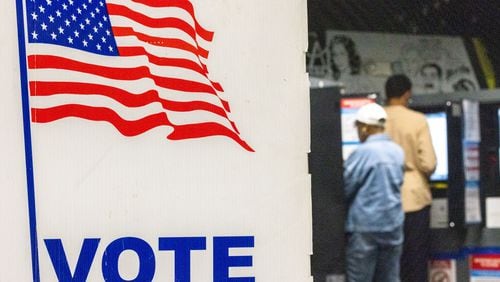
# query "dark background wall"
(465, 18)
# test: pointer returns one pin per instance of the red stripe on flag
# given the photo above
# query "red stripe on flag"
(182, 4)
(41, 88)
(54, 62)
(126, 127)
(225, 104)
(204, 130)
(160, 41)
(171, 62)
(176, 23)
(136, 127)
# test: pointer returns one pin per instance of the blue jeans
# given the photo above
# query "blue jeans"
(374, 256)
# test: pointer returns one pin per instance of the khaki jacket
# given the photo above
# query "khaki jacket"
(410, 130)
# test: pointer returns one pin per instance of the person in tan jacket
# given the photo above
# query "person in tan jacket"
(410, 130)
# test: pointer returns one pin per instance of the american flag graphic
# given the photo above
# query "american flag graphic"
(136, 64)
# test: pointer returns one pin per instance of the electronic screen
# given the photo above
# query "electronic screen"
(498, 113)
(348, 109)
(439, 134)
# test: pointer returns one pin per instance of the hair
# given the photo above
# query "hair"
(464, 84)
(431, 65)
(350, 47)
(397, 85)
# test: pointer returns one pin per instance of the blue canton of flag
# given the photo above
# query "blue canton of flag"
(82, 25)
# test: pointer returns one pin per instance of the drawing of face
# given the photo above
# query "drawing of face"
(340, 56)
(431, 78)
(411, 62)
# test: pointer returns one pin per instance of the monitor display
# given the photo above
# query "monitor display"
(349, 107)
(439, 134)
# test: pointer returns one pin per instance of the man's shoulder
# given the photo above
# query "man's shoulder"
(375, 154)
(385, 145)
(380, 146)
(405, 112)
(362, 152)
(416, 113)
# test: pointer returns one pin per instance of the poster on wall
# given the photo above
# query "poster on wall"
(165, 140)
(362, 61)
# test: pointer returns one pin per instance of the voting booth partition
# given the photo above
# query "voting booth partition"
(325, 167)
(154, 141)
(490, 148)
(333, 137)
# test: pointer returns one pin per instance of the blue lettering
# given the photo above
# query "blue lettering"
(182, 247)
(60, 262)
(112, 254)
(222, 260)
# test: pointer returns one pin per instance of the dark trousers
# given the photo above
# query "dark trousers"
(416, 246)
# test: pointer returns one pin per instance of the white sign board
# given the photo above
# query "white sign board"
(165, 140)
(439, 213)
(493, 212)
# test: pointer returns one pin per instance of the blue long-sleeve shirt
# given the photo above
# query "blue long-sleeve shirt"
(373, 175)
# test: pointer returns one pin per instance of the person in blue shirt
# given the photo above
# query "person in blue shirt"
(373, 175)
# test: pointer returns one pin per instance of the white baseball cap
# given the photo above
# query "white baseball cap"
(372, 114)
